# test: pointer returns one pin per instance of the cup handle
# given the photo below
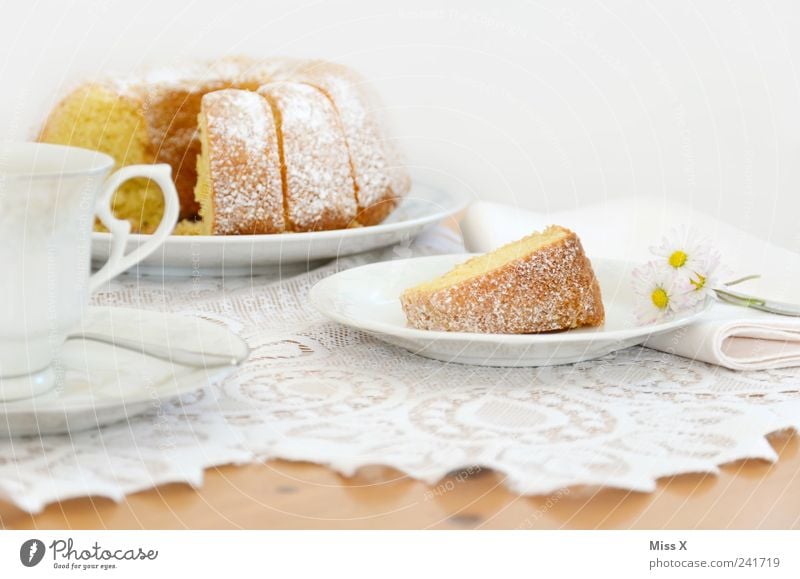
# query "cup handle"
(120, 229)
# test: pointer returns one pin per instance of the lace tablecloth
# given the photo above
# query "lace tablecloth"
(317, 391)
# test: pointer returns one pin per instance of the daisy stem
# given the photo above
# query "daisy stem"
(740, 299)
(742, 279)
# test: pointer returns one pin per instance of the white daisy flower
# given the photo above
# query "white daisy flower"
(682, 250)
(692, 257)
(661, 292)
(705, 277)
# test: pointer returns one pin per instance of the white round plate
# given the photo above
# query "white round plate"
(99, 384)
(286, 253)
(368, 298)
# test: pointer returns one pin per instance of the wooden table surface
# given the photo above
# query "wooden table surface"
(280, 495)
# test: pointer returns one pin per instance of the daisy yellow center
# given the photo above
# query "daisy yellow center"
(678, 259)
(699, 282)
(660, 298)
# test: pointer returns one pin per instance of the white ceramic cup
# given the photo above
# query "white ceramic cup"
(49, 197)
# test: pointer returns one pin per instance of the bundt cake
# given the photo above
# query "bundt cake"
(541, 283)
(154, 118)
(319, 192)
(239, 185)
(374, 170)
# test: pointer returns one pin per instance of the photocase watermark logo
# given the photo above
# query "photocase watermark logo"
(66, 554)
(31, 552)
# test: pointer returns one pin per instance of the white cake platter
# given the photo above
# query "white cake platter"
(287, 253)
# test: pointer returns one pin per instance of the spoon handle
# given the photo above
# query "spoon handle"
(172, 354)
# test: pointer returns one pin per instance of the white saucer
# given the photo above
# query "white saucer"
(99, 384)
(367, 298)
(287, 253)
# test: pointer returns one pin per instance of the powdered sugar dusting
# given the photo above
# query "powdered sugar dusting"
(169, 99)
(319, 186)
(243, 159)
(553, 288)
(368, 156)
(193, 76)
(163, 78)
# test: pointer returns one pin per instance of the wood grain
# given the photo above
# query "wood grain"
(284, 495)
(750, 494)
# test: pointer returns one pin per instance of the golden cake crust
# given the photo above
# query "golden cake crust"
(243, 181)
(374, 165)
(169, 99)
(152, 117)
(318, 187)
(552, 288)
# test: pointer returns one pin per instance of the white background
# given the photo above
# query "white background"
(548, 105)
(403, 554)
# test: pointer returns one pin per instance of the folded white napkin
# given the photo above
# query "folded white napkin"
(729, 336)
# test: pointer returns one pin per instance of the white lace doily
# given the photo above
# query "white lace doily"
(317, 391)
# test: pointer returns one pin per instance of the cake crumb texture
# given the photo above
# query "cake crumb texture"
(541, 283)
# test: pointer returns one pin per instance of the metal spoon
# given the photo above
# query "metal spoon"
(172, 354)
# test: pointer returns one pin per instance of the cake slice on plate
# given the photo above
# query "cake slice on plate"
(541, 283)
